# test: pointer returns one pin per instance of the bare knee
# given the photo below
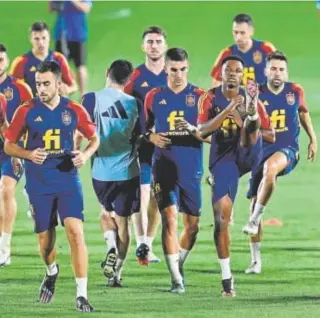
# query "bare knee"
(192, 229)
(169, 224)
(75, 235)
(270, 170)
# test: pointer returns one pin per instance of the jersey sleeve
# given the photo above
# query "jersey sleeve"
(66, 73)
(17, 67)
(264, 117)
(204, 107)
(148, 110)
(3, 108)
(89, 103)
(24, 91)
(302, 102)
(85, 124)
(18, 124)
(216, 69)
(128, 88)
(268, 47)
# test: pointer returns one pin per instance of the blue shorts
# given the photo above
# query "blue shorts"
(45, 208)
(172, 188)
(292, 155)
(6, 168)
(122, 197)
(227, 172)
(145, 158)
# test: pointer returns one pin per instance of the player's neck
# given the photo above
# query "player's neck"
(113, 85)
(177, 89)
(247, 47)
(40, 55)
(229, 93)
(3, 77)
(155, 67)
(275, 90)
(54, 102)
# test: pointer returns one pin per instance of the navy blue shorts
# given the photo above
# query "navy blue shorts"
(45, 208)
(292, 155)
(174, 188)
(145, 158)
(6, 168)
(122, 197)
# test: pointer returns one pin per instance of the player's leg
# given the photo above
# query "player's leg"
(70, 209)
(272, 167)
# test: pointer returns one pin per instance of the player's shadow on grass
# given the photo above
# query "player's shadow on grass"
(284, 299)
(25, 255)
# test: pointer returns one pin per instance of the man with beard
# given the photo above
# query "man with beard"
(147, 76)
(286, 106)
(52, 179)
(235, 146)
(24, 67)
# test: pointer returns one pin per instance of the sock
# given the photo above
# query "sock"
(5, 241)
(257, 213)
(255, 252)
(225, 268)
(183, 255)
(173, 266)
(149, 241)
(140, 239)
(82, 287)
(111, 239)
(119, 267)
(52, 269)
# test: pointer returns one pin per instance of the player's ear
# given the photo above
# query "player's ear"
(107, 72)
(142, 49)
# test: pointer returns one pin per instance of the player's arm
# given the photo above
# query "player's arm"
(17, 67)
(306, 123)
(267, 131)
(3, 121)
(216, 69)
(81, 5)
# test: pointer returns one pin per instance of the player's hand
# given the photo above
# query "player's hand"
(236, 118)
(236, 102)
(312, 151)
(64, 89)
(38, 155)
(17, 166)
(160, 140)
(182, 124)
(79, 159)
(252, 95)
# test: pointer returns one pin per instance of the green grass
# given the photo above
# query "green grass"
(288, 286)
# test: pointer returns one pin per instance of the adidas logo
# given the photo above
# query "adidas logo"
(144, 84)
(38, 119)
(163, 102)
(265, 103)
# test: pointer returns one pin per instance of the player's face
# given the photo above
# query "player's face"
(40, 41)
(232, 72)
(4, 62)
(277, 73)
(47, 85)
(154, 45)
(242, 33)
(177, 73)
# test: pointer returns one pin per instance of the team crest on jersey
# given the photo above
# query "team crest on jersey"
(8, 93)
(190, 100)
(32, 69)
(291, 99)
(257, 57)
(66, 118)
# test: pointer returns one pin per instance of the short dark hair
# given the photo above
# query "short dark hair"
(176, 54)
(39, 26)
(49, 66)
(120, 71)
(232, 58)
(3, 48)
(243, 18)
(154, 29)
(277, 55)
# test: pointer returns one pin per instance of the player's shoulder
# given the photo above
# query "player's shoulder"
(20, 59)
(155, 91)
(19, 83)
(295, 87)
(58, 56)
(26, 106)
(196, 90)
(266, 46)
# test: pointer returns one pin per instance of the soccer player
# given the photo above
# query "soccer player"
(147, 76)
(236, 121)
(177, 161)
(253, 52)
(24, 67)
(75, 16)
(52, 179)
(286, 106)
(115, 167)
(15, 92)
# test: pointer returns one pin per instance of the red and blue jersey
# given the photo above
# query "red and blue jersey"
(162, 108)
(254, 60)
(283, 109)
(225, 140)
(53, 130)
(24, 67)
(3, 106)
